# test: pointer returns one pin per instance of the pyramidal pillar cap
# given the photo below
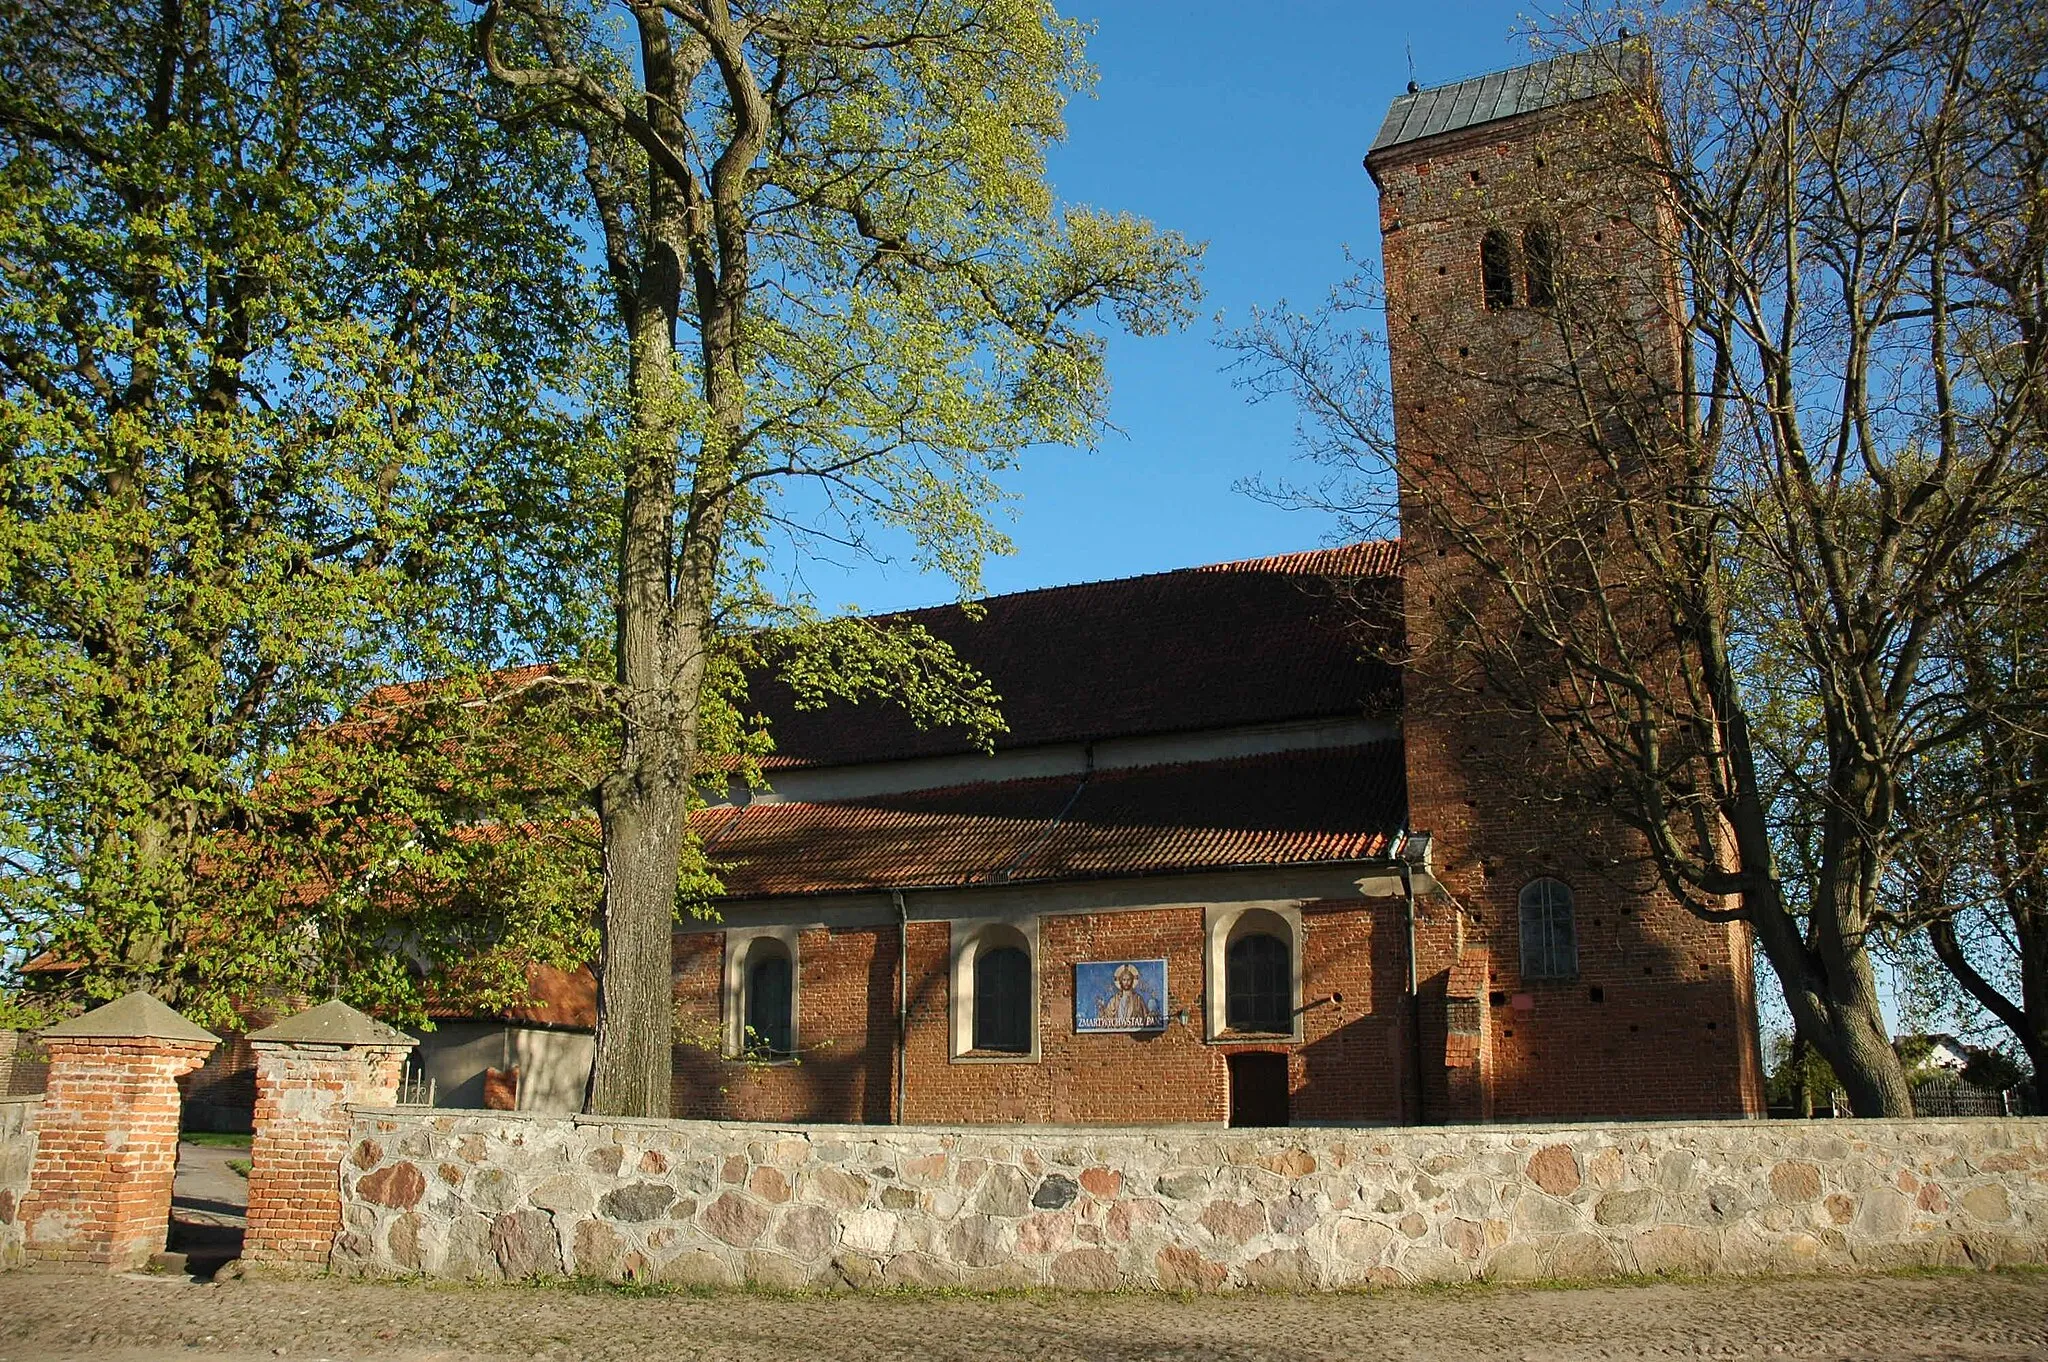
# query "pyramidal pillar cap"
(332, 1023)
(136, 1016)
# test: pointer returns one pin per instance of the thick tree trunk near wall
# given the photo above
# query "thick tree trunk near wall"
(668, 578)
(1857, 1042)
(1869, 1068)
(1834, 1003)
(1828, 983)
(642, 824)
(643, 805)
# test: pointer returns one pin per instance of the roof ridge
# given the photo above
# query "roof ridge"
(1470, 76)
(388, 694)
(418, 689)
(1389, 544)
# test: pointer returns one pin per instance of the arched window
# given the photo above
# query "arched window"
(1258, 984)
(1002, 1000)
(1550, 940)
(1539, 254)
(1497, 269)
(993, 1016)
(770, 998)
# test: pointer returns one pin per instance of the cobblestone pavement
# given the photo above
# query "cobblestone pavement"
(1976, 1317)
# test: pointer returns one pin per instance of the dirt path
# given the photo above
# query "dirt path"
(2002, 1316)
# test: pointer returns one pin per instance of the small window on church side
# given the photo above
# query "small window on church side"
(1497, 270)
(770, 1011)
(1002, 1000)
(1258, 985)
(1550, 939)
(1539, 253)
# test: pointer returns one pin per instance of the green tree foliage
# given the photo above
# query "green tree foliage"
(1796, 1076)
(848, 301)
(289, 343)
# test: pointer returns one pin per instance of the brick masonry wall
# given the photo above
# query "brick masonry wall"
(1660, 1013)
(491, 1195)
(846, 1027)
(107, 1149)
(1349, 1064)
(17, 1157)
(303, 1093)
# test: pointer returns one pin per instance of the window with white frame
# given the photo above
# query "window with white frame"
(1253, 961)
(763, 980)
(995, 989)
(1550, 939)
(1258, 993)
(770, 991)
(1002, 999)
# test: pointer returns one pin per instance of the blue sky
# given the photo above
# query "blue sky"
(1244, 126)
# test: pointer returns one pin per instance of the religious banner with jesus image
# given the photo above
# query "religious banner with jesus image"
(1120, 995)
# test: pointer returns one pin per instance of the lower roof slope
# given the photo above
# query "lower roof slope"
(1286, 808)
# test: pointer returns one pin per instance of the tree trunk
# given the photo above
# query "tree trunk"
(1828, 982)
(1831, 992)
(666, 588)
(1869, 1069)
(1850, 1030)
(643, 805)
(642, 824)
(1835, 1007)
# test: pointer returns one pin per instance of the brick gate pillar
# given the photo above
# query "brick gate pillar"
(107, 1150)
(309, 1070)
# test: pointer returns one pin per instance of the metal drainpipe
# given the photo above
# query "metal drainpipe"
(902, 1000)
(1414, 991)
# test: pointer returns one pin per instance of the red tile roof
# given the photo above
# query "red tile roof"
(1288, 808)
(556, 997)
(491, 683)
(1259, 641)
(1372, 558)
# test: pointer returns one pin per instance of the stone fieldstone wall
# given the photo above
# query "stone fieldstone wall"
(509, 1195)
(17, 1157)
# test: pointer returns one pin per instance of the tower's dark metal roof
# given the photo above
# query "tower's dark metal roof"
(1503, 94)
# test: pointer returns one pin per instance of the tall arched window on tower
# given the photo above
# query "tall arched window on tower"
(770, 999)
(1258, 971)
(1539, 255)
(1550, 939)
(1497, 269)
(1002, 999)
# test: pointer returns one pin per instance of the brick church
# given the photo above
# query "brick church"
(1230, 862)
